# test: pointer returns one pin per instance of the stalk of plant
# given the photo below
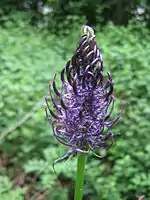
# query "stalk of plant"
(84, 104)
(80, 176)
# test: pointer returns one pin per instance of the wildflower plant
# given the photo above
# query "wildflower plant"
(83, 106)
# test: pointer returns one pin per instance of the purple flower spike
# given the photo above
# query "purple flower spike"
(81, 108)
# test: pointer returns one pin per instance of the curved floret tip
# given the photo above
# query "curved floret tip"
(88, 31)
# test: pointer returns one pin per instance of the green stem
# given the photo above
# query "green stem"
(80, 177)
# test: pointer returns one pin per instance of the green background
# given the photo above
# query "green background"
(35, 45)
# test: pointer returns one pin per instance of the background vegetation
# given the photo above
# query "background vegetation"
(36, 40)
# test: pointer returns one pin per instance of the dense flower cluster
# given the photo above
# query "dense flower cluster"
(82, 105)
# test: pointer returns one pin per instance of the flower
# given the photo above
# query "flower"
(82, 105)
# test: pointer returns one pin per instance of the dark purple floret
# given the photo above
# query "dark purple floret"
(82, 108)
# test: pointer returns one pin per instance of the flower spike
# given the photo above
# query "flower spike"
(82, 123)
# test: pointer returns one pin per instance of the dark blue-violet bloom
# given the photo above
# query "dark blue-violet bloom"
(85, 103)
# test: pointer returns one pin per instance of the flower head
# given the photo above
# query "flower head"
(82, 104)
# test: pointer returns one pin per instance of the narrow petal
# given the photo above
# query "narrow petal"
(69, 77)
(89, 55)
(67, 66)
(62, 75)
(74, 85)
(94, 62)
(61, 159)
(63, 104)
(109, 114)
(54, 87)
(110, 90)
(58, 137)
(53, 101)
(51, 112)
(85, 51)
(85, 42)
(111, 123)
(94, 79)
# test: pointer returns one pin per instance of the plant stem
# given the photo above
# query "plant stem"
(80, 177)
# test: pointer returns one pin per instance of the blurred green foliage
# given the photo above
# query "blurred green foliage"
(29, 58)
(51, 13)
